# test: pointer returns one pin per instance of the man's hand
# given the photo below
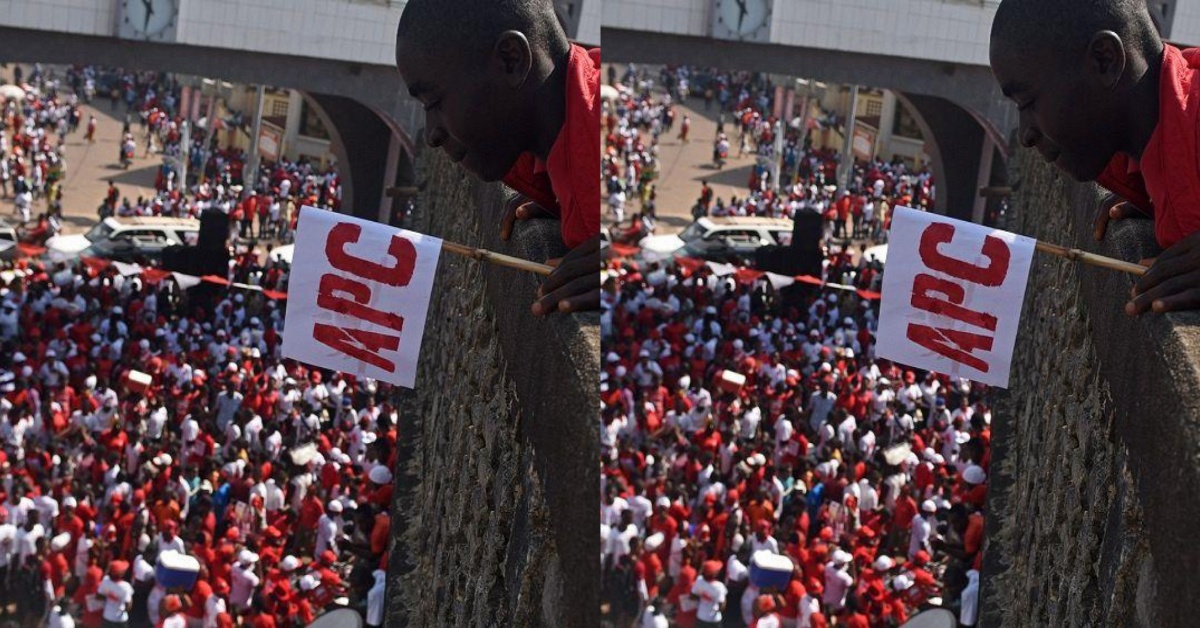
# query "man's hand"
(1114, 208)
(574, 285)
(1173, 281)
(520, 208)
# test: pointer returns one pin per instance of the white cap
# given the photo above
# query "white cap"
(902, 582)
(20, 357)
(884, 563)
(380, 475)
(841, 557)
(612, 357)
(974, 474)
(69, 502)
(662, 502)
(289, 563)
(654, 541)
(962, 438)
(309, 582)
(247, 557)
(336, 506)
(928, 506)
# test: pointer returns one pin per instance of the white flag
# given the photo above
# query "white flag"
(358, 295)
(952, 295)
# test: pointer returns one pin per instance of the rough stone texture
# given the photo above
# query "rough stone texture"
(1095, 468)
(498, 427)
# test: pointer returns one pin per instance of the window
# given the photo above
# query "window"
(310, 123)
(906, 124)
(279, 108)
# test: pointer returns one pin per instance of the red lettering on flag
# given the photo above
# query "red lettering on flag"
(994, 249)
(358, 307)
(400, 248)
(956, 345)
(922, 298)
(359, 344)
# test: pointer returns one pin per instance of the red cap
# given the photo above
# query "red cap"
(170, 526)
(233, 534)
(328, 557)
(172, 604)
(921, 557)
(117, 569)
(826, 534)
(763, 526)
(711, 568)
(220, 586)
(272, 532)
(731, 495)
(766, 603)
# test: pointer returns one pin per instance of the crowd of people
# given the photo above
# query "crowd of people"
(139, 421)
(743, 426)
(276, 477)
(869, 477)
(33, 130)
(645, 110)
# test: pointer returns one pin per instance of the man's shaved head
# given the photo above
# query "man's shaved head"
(1067, 26)
(472, 26)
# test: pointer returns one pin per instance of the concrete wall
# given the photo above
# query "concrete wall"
(1092, 509)
(343, 30)
(953, 31)
(497, 526)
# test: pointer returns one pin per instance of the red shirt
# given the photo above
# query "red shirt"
(1166, 183)
(566, 183)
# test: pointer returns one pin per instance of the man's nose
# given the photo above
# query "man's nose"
(1028, 135)
(435, 135)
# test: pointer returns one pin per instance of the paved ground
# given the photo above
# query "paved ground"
(684, 166)
(91, 166)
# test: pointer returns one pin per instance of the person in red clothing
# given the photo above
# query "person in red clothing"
(1102, 98)
(509, 97)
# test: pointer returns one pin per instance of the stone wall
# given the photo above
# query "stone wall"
(487, 525)
(1095, 471)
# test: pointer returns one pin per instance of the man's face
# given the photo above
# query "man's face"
(467, 109)
(1062, 113)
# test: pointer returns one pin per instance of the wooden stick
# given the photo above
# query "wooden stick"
(1091, 258)
(485, 255)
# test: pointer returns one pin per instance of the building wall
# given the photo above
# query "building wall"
(1091, 519)
(493, 516)
(1185, 28)
(942, 30)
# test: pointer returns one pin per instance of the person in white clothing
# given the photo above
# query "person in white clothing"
(116, 593)
(920, 537)
(243, 580)
(328, 528)
(710, 594)
(375, 599)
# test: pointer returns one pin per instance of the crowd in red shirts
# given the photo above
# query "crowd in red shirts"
(275, 476)
(868, 476)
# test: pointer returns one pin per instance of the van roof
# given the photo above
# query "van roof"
(152, 221)
(746, 221)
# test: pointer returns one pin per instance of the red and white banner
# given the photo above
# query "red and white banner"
(952, 296)
(358, 295)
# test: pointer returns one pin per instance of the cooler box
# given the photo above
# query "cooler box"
(731, 382)
(138, 381)
(770, 570)
(176, 570)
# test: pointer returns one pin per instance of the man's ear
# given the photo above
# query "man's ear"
(1105, 59)
(512, 57)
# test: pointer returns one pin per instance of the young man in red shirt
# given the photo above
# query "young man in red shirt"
(1102, 98)
(510, 98)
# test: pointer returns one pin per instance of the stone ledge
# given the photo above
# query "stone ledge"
(555, 364)
(1151, 365)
